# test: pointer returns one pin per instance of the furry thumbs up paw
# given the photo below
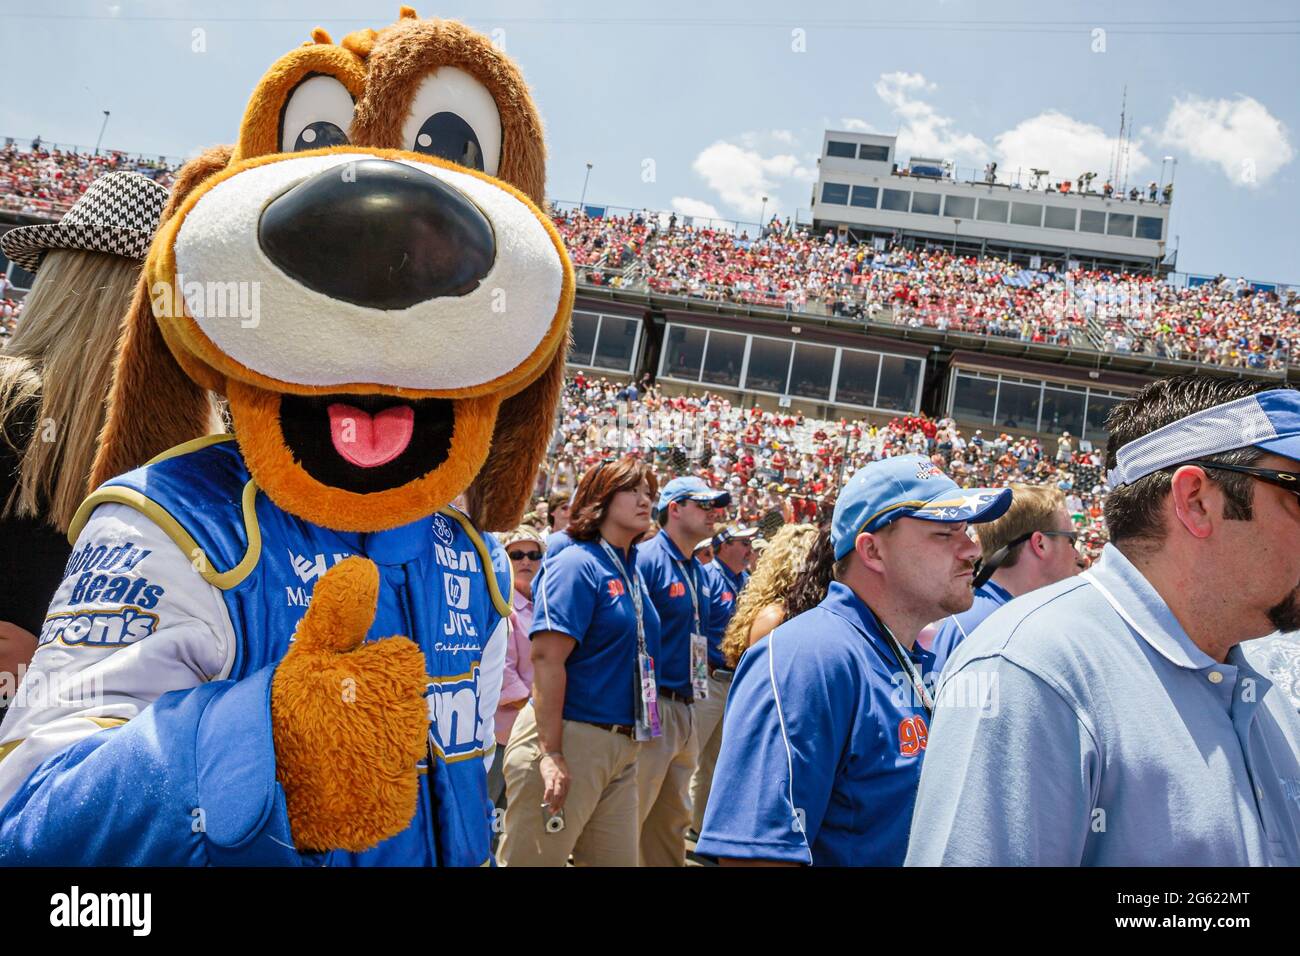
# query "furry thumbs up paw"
(349, 719)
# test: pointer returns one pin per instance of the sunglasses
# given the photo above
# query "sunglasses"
(703, 505)
(984, 569)
(521, 555)
(1286, 480)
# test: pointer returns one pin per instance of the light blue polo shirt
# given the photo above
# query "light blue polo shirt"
(1081, 726)
(955, 628)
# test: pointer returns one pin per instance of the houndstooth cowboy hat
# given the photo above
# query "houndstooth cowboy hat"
(118, 214)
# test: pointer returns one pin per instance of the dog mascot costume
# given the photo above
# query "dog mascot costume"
(285, 646)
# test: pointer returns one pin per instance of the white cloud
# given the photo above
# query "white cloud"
(742, 176)
(1063, 145)
(923, 130)
(1241, 135)
(852, 125)
(695, 207)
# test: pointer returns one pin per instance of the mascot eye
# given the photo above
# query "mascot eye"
(454, 117)
(317, 114)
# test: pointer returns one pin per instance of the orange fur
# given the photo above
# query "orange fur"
(256, 414)
(259, 133)
(410, 50)
(348, 765)
(348, 719)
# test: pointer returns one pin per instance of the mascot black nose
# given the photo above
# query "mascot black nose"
(379, 234)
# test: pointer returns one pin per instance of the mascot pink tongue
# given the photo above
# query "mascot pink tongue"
(369, 441)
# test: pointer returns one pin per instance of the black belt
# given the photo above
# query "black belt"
(673, 695)
(721, 673)
(612, 728)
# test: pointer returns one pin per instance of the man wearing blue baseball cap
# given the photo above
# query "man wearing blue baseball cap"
(682, 594)
(1112, 719)
(733, 550)
(828, 716)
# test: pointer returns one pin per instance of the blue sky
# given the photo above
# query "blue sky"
(707, 107)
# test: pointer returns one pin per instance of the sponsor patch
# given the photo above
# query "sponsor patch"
(98, 627)
(92, 587)
(442, 530)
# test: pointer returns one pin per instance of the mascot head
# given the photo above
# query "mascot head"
(369, 278)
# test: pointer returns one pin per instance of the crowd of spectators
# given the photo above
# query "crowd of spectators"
(45, 180)
(1225, 322)
(782, 467)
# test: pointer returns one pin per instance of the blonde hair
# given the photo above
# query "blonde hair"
(1032, 508)
(773, 577)
(61, 356)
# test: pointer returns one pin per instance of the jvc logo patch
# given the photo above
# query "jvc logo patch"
(459, 623)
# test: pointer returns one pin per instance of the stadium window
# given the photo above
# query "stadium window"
(1026, 214)
(616, 343)
(1120, 224)
(959, 207)
(584, 337)
(857, 381)
(897, 200)
(975, 399)
(1099, 406)
(835, 193)
(1059, 217)
(900, 381)
(1150, 227)
(926, 204)
(993, 210)
(812, 371)
(683, 350)
(864, 196)
(875, 154)
(1092, 221)
(1062, 411)
(723, 358)
(1018, 405)
(841, 150)
(769, 365)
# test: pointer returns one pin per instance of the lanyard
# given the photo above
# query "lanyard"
(905, 662)
(632, 589)
(690, 586)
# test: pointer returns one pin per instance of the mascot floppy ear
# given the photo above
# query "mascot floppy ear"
(499, 495)
(153, 405)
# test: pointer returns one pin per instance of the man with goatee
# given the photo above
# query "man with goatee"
(1112, 719)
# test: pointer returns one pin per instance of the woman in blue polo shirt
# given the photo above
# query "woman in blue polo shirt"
(570, 765)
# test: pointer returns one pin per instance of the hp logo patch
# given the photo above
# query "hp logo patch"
(457, 589)
(442, 530)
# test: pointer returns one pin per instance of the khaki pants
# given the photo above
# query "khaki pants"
(600, 811)
(663, 779)
(708, 723)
